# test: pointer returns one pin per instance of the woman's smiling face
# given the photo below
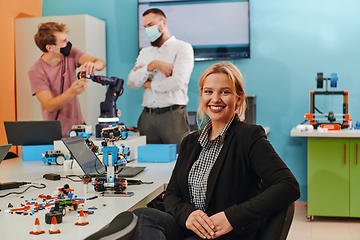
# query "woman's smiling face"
(218, 98)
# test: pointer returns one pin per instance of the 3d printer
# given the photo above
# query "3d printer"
(318, 118)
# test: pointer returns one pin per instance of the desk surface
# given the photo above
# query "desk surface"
(15, 226)
(329, 134)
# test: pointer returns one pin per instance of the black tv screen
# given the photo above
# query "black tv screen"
(216, 29)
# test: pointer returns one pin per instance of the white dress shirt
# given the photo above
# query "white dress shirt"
(165, 91)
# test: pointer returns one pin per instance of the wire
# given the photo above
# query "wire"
(120, 169)
(34, 186)
(318, 110)
(70, 178)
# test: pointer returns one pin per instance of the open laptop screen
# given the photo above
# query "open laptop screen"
(32, 132)
(86, 159)
(4, 149)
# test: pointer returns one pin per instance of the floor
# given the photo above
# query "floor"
(322, 228)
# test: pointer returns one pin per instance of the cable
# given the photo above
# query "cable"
(70, 178)
(34, 186)
(318, 110)
(120, 169)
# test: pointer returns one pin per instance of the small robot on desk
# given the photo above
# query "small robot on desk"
(111, 134)
(54, 156)
(64, 200)
(84, 130)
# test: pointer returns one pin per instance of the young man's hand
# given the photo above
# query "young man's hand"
(88, 67)
(52, 104)
(90, 64)
(164, 67)
(79, 86)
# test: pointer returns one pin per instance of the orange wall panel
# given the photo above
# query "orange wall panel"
(9, 11)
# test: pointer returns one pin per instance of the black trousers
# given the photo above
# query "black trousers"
(155, 224)
(166, 128)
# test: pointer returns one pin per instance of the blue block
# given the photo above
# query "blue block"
(34, 152)
(159, 153)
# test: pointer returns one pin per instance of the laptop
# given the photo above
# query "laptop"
(33, 132)
(4, 149)
(90, 163)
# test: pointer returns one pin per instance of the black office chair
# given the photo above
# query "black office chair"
(122, 227)
(277, 225)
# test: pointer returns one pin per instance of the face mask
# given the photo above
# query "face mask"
(66, 50)
(153, 33)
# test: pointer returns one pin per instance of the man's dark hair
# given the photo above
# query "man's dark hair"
(154, 10)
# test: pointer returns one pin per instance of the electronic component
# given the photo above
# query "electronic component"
(10, 185)
(52, 176)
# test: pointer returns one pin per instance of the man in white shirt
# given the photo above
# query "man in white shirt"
(163, 71)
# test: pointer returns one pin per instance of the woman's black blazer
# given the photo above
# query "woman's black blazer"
(246, 158)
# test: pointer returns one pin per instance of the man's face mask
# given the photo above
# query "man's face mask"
(66, 50)
(153, 32)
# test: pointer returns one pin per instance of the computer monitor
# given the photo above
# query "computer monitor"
(33, 132)
(250, 112)
(192, 121)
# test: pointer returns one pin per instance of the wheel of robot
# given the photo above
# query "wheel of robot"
(60, 160)
(333, 80)
(72, 133)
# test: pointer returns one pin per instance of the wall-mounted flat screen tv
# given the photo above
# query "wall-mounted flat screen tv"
(217, 29)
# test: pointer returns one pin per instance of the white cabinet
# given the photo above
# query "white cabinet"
(86, 33)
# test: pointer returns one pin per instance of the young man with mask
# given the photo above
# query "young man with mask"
(163, 71)
(53, 76)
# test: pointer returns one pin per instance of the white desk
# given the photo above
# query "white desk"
(14, 226)
(328, 134)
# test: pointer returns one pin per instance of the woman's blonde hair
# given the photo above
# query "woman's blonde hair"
(236, 79)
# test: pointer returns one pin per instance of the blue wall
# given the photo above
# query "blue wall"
(290, 42)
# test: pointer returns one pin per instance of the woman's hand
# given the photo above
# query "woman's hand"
(221, 224)
(200, 224)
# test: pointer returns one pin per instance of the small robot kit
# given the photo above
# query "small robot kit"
(65, 200)
(54, 156)
(84, 130)
(118, 158)
(328, 121)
